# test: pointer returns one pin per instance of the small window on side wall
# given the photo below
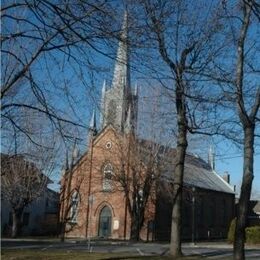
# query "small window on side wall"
(74, 207)
(107, 177)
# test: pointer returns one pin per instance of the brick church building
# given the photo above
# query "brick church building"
(122, 185)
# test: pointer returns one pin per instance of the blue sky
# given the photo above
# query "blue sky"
(86, 86)
(233, 163)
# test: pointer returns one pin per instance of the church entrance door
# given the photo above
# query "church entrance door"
(105, 217)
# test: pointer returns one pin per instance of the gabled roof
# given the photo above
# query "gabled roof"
(197, 172)
(254, 207)
(204, 177)
(22, 161)
(108, 127)
(96, 139)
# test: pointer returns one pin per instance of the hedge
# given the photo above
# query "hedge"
(252, 233)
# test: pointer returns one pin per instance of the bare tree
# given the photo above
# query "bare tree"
(23, 182)
(248, 118)
(47, 49)
(184, 39)
(26, 167)
(236, 73)
(140, 169)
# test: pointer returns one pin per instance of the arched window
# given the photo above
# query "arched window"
(74, 207)
(107, 177)
(105, 220)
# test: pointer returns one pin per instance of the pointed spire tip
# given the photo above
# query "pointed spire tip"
(136, 89)
(104, 86)
(92, 124)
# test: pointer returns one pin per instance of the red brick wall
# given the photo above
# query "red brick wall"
(114, 199)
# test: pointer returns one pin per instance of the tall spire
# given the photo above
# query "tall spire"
(136, 89)
(93, 124)
(211, 158)
(119, 97)
(92, 127)
(75, 154)
(121, 78)
(104, 88)
(128, 122)
(102, 105)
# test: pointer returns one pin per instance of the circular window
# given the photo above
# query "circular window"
(108, 145)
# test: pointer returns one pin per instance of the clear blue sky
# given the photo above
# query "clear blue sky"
(233, 163)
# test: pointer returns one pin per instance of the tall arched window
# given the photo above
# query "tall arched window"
(105, 220)
(74, 207)
(107, 177)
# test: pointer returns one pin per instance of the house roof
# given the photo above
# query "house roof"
(7, 159)
(254, 207)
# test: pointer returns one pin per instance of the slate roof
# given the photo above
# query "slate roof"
(197, 172)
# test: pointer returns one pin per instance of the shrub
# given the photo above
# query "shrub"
(231, 231)
(253, 235)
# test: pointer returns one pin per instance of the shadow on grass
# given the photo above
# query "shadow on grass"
(154, 257)
(19, 254)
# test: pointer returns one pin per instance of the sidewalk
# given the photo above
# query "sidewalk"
(217, 245)
(98, 242)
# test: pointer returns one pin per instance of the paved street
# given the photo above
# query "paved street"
(210, 250)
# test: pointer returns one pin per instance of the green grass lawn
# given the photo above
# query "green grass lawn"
(68, 255)
(53, 255)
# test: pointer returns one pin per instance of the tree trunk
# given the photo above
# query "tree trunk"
(239, 250)
(16, 217)
(135, 222)
(62, 231)
(135, 229)
(175, 245)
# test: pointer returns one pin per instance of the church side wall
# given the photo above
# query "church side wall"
(206, 215)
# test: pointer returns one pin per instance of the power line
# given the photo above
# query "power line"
(231, 157)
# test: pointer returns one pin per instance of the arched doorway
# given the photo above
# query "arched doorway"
(105, 219)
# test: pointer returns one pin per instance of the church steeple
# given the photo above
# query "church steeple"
(103, 96)
(92, 126)
(128, 123)
(118, 100)
(121, 78)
